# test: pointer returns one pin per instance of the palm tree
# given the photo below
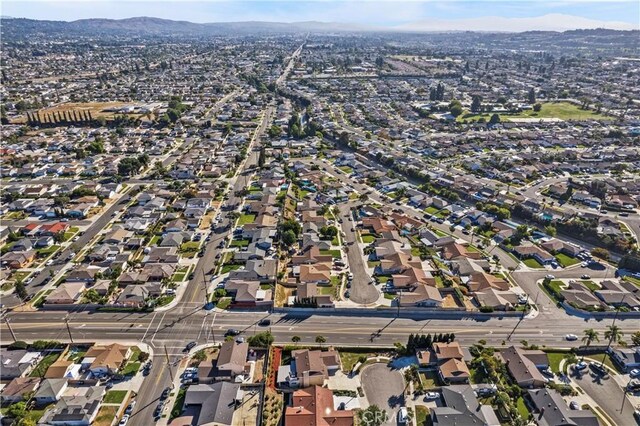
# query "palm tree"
(614, 334)
(590, 335)
(295, 339)
(320, 339)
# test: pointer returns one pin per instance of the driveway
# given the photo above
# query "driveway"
(608, 394)
(384, 387)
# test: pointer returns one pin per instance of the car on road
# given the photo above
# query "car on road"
(585, 277)
(635, 372)
(264, 322)
(347, 294)
(571, 337)
(550, 277)
(431, 395)
(580, 366)
(232, 332)
(165, 393)
(49, 262)
(190, 346)
(28, 280)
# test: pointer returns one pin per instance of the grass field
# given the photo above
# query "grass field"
(106, 415)
(239, 243)
(559, 110)
(429, 379)
(44, 365)
(532, 263)
(334, 253)
(115, 396)
(565, 260)
(367, 238)
(131, 369)
(228, 268)
(555, 358)
(97, 109)
(246, 218)
(522, 408)
(590, 285)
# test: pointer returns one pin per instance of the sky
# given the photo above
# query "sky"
(435, 14)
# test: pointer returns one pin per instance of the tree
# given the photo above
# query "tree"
(199, 356)
(289, 237)
(495, 119)
(274, 131)
(531, 96)
(601, 253)
(295, 339)
(91, 296)
(613, 334)
(455, 108)
(590, 335)
(635, 338)
(261, 340)
(262, 157)
(373, 416)
(476, 103)
(17, 410)
(20, 289)
(550, 230)
(320, 339)
(537, 107)
(328, 231)
(344, 138)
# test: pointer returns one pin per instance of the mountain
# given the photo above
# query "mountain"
(549, 22)
(19, 28)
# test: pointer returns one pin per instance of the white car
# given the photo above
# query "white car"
(550, 277)
(635, 372)
(403, 415)
(431, 395)
(124, 420)
(571, 337)
(49, 262)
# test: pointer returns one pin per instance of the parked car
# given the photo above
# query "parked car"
(403, 416)
(550, 277)
(580, 366)
(635, 372)
(574, 405)
(130, 407)
(190, 345)
(165, 393)
(431, 395)
(598, 368)
(124, 420)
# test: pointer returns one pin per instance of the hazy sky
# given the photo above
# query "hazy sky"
(387, 13)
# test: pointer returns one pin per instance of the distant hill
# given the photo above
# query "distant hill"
(18, 28)
(22, 27)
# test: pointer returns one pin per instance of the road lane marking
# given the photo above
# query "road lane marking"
(158, 327)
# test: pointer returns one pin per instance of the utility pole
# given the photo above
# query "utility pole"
(615, 317)
(206, 287)
(6, 320)
(66, 321)
(166, 354)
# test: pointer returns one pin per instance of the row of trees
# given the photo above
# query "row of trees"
(426, 341)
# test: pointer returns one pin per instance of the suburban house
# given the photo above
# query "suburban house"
(78, 409)
(106, 359)
(50, 391)
(231, 362)
(524, 365)
(312, 367)
(451, 366)
(550, 409)
(17, 363)
(461, 407)
(530, 251)
(314, 406)
(626, 358)
(15, 390)
(211, 404)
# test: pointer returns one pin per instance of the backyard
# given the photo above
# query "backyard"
(44, 365)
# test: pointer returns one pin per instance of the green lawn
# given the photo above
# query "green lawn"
(565, 260)
(632, 280)
(190, 247)
(590, 285)
(48, 251)
(20, 275)
(335, 241)
(106, 415)
(350, 359)
(154, 240)
(178, 276)
(429, 379)
(522, 408)
(423, 418)
(373, 263)
(431, 210)
(383, 280)
(367, 238)
(115, 396)
(389, 296)
(246, 218)
(439, 282)
(555, 358)
(177, 406)
(532, 263)
(239, 243)
(228, 268)
(224, 303)
(130, 369)
(560, 110)
(334, 253)
(346, 169)
(415, 251)
(44, 365)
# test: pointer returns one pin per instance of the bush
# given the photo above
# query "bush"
(143, 356)
(486, 309)
(41, 345)
(19, 344)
